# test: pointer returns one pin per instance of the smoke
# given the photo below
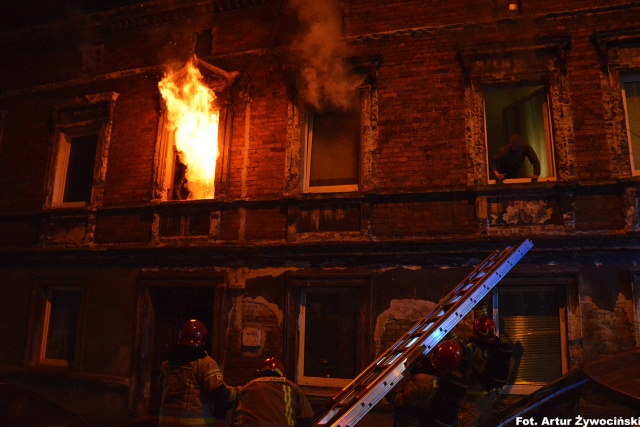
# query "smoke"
(326, 79)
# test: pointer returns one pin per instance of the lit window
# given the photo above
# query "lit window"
(73, 182)
(61, 317)
(522, 109)
(532, 318)
(329, 335)
(332, 150)
(631, 99)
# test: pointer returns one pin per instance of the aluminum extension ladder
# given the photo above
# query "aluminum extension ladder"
(371, 385)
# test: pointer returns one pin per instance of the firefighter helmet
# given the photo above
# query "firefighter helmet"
(192, 334)
(271, 367)
(484, 330)
(447, 356)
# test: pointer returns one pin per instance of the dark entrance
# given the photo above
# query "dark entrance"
(172, 307)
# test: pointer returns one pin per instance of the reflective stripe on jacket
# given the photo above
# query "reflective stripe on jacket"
(272, 401)
(186, 392)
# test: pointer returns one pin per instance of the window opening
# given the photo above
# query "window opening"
(525, 110)
(631, 99)
(328, 353)
(533, 320)
(192, 122)
(75, 169)
(332, 158)
(62, 313)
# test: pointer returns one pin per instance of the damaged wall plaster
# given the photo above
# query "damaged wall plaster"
(238, 276)
(397, 319)
(608, 331)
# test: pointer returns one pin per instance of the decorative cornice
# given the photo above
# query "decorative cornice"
(606, 40)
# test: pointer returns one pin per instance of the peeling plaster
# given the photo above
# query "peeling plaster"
(404, 311)
(609, 331)
(268, 305)
(404, 267)
(238, 276)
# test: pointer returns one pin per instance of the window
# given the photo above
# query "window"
(521, 87)
(62, 311)
(327, 354)
(522, 109)
(192, 158)
(75, 168)
(80, 150)
(326, 339)
(332, 150)
(532, 318)
(631, 99)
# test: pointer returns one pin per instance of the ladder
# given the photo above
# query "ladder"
(371, 385)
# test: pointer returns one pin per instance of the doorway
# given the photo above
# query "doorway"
(173, 307)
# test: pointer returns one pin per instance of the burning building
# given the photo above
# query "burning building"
(307, 179)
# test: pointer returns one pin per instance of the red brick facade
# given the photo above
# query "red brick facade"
(424, 213)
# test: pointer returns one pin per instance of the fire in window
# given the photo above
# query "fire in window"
(192, 124)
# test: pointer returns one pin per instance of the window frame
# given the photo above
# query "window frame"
(309, 115)
(221, 82)
(628, 78)
(81, 116)
(518, 62)
(42, 359)
(548, 130)
(294, 330)
(562, 287)
(65, 138)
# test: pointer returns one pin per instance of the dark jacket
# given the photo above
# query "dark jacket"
(509, 161)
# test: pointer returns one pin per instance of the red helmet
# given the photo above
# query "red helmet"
(484, 330)
(271, 367)
(192, 334)
(447, 356)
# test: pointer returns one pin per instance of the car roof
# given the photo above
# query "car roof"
(620, 373)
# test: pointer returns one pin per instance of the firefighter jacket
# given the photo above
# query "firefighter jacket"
(419, 392)
(193, 391)
(273, 402)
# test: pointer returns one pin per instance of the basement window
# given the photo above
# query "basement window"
(631, 98)
(521, 109)
(62, 312)
(533, 319)
(332, 150)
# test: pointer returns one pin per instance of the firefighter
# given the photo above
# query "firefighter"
(270, 399)
(486, 368)
(434, 393)
(193, 391)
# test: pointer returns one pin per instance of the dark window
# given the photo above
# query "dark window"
(63, 310)
(80, 168)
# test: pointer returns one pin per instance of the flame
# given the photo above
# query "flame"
(194, 121)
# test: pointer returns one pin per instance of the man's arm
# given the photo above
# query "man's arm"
(535, 162)
(496, 161)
